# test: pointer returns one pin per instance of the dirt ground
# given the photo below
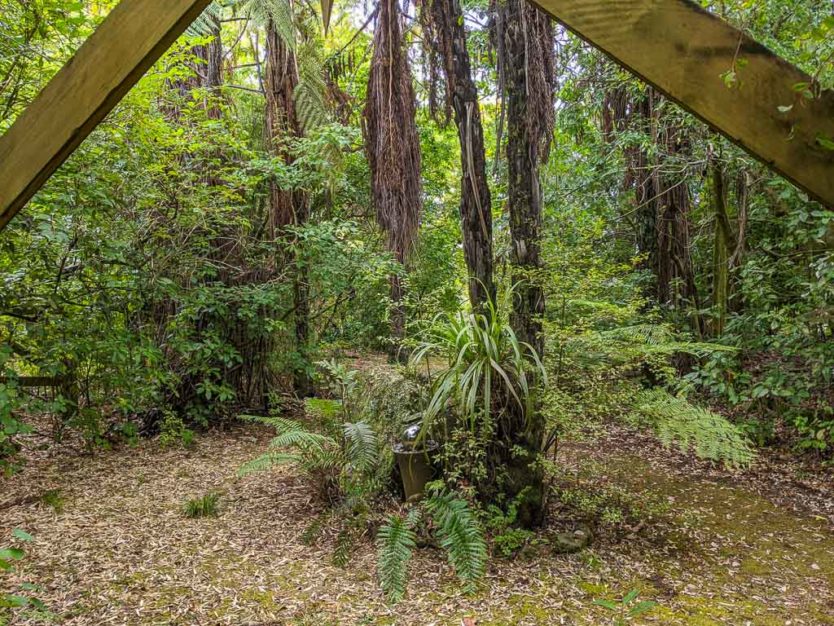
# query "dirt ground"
(111, 546)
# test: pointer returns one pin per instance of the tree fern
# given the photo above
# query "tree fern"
(395, 543)
(709, 434)
(277, 12)
(460, 535)
(206, 22)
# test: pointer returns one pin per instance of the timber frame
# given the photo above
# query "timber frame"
(674, 45)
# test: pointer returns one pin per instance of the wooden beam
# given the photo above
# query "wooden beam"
(132, 37)
(685, 52)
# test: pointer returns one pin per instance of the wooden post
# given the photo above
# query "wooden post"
(713, 70)
(111, 61)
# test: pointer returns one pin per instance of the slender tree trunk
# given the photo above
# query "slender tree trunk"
(676, 286)
(287, 207)
(646, 189)
(475, 203)
(721, 252)
(529, 77)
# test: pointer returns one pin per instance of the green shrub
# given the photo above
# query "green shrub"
(174, 431)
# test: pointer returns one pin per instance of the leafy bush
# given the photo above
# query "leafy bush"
(10, 425)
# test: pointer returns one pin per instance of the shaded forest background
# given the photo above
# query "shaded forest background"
(269, 195)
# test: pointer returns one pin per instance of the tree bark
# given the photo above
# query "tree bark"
(676, 286)
(393, 149)
(529, 73)
(475, 202)
(721, 252)
(287, 207)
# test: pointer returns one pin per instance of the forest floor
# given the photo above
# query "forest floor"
(111, 545)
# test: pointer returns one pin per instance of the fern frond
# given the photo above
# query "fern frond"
(278, 13)
(281, 425)
(361, 445)
(395, 542)
(266, 462)
(345, 542)
(301, 439)
(207, 22)
(310, 93)
(690, 427)
(460, 535)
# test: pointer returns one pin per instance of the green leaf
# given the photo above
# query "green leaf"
(825, 142)
(630, 596)
(613, 606)
(642, 607)
(22, 535)
(12, 554)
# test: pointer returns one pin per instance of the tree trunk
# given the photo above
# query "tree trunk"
(676, 287)
(646, 189)
(287, 207)
(475, 202)
(721, 253)
(529, 74)
(393, 148)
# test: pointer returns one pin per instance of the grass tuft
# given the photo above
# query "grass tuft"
(205, 506)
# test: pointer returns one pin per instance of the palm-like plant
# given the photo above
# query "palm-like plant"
(487, 368)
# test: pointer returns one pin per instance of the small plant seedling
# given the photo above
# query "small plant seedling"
(627, 608)
(54, 499)
(205, 506)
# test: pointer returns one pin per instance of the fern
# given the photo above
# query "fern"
(279, 424)
(361, 445)
(345, 541)
(277, 12)
(301, 439)
(709, 434)
(460, 535)
(207, 22)
(266, 462)
(395, 543)
(310, 94)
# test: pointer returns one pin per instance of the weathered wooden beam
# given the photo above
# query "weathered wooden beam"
(85, 90)
(685, 52)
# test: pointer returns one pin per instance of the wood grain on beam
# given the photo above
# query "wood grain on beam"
(684, 51)
(111, 61)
